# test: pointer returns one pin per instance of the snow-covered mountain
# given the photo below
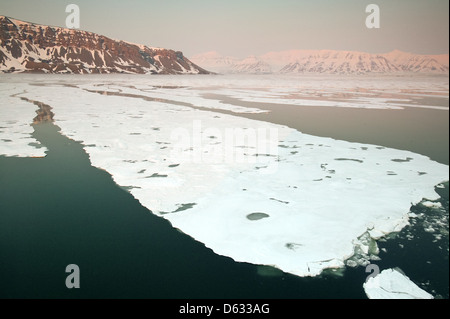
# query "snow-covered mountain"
(215, 62)
(251, 65)
(419, 63)
(342, 62)
(335, 62)
(29, 47)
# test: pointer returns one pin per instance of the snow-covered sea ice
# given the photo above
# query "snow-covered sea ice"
(302, 206)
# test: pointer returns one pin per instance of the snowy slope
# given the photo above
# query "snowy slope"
(342, 62)
(251, 65)
(214, 62)
(419, 63)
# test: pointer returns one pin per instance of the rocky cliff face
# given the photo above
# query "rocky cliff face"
(29, 47)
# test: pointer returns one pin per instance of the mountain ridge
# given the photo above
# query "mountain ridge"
(31, 47)
(332, 62)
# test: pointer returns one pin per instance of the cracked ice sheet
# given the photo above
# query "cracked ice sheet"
(323, 98)
(16, 117)
(318, 194)
(282, 89)
(184, 95)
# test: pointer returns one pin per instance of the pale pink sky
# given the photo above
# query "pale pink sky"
(243, 27)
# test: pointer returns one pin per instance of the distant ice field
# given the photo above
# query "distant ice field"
(252, 190)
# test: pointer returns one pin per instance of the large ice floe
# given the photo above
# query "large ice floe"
(254, 191)
(393, 284)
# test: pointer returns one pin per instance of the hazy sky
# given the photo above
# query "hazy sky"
(244, 27)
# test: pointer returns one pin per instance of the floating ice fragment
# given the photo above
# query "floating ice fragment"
(431, 204)
(393, 284)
